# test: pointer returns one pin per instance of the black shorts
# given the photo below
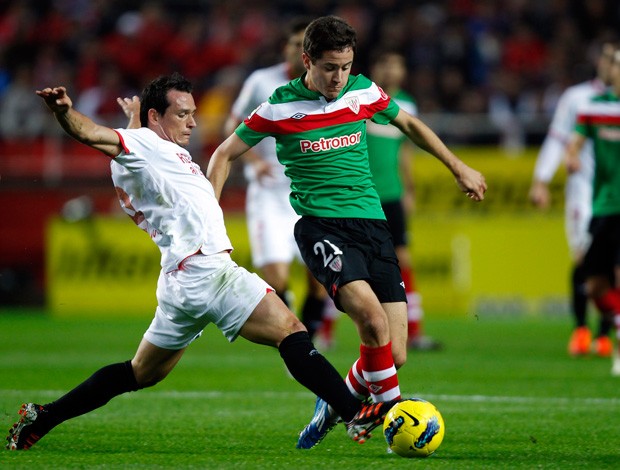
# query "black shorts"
(604, 251)
(396, 220)
(338, 251)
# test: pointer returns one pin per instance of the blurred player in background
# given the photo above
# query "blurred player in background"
(166, 194)
(578, 200)
(599, 121)
(319, 122)
(270, 217)
(390, 165)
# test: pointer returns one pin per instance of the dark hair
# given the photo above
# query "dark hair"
(328, 33)
(380, 53)
(155, 94)
(297, 25)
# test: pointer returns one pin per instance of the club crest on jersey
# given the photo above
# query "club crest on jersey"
(353, 103)
(336, 264)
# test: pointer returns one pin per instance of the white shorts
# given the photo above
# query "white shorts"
(271, 220)
(578, 212)
(205, 289)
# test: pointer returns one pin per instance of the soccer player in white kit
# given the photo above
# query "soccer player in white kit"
(270, 216)
(167, 195)
(578, 199)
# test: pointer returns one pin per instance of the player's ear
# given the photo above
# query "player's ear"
(306, 60)
(153, 117)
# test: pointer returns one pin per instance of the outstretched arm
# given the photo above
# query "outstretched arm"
(470, 181)
(219, 164)
(78, 126)
(260, 166)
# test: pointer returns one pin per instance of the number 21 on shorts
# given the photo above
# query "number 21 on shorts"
(330, 254)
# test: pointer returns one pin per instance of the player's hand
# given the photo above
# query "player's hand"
(472, 183)
(540, 195)
(56, 99)
(573, 163)
(408, 202)
(130, 106)
(262, 169)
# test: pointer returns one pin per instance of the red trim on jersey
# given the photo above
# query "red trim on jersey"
(313, 121)
(125, 149)
(598, 120)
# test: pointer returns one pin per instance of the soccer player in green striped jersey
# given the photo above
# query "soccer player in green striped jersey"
(319, 123)
(599, 121)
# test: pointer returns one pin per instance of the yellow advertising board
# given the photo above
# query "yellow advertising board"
(497, 256)
(104, 267)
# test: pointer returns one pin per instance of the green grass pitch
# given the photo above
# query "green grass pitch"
(510, 396)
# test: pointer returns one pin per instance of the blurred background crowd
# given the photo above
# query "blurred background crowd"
(504, 59)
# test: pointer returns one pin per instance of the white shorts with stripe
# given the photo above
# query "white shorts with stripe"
(578, 212)
(205, 289)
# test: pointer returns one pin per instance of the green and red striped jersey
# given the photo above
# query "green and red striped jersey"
(599, 120)
(322, 145)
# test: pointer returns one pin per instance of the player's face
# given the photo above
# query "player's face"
(389, 72)
(329, 74)
(177, 122)
(605, 62)
(292, 53)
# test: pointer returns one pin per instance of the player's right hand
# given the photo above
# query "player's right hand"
(56, 99)
(130, 106)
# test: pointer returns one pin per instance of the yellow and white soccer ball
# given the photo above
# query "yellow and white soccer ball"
(413, 428)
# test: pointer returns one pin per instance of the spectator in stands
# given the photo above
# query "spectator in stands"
(21, 114)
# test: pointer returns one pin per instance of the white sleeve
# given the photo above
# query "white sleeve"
(561, 128)
(549, 158)
(137, 145)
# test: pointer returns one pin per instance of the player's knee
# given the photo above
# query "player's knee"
(400, 358)
(373, 328)
(148, 377)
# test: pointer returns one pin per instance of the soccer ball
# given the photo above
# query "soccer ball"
(413, 428)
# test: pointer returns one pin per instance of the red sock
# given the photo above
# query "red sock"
(609, 301)
(327, 328)
(414, 305)
(379, 372)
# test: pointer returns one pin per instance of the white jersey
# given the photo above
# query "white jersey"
(167, 195)
(560, 132)
(270, 216)
(257, 89)
(578, 191)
